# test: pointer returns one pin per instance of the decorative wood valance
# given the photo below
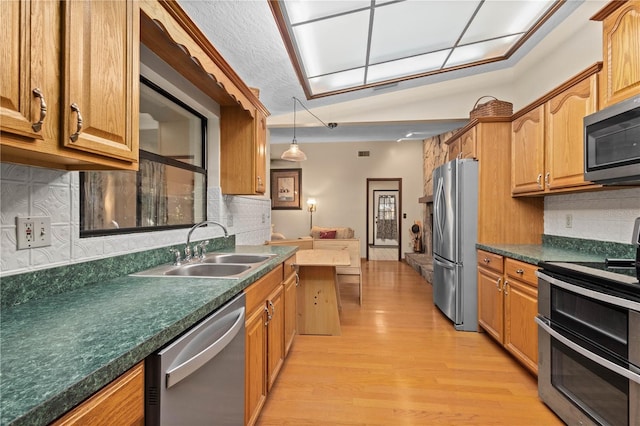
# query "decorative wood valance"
(167, 30)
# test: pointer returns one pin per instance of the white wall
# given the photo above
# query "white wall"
(33, 191)
(337, 178)
(556, 59)
(602, 215)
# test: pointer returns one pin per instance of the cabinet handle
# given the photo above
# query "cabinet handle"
(273, 308)
(546, 179)
(297, 280)
(486, 260)
(519, 271)
(498, 284)
(37, 126)
(506, 283)
(76, 108)
(539, 180)
(268, 316)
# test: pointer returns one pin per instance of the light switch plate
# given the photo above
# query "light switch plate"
(32, 232)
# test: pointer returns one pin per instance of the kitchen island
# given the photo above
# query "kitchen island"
(59, 349)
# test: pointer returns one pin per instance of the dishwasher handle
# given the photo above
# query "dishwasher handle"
(184, 370)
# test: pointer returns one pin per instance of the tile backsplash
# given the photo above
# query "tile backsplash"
(33, 191)
(602, 215)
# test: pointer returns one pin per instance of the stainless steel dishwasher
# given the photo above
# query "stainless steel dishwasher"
(198, 379)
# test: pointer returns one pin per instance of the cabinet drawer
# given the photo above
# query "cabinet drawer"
(490, 261)
(521, 271)
(257, 292)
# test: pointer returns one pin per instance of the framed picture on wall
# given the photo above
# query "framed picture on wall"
(286, 188)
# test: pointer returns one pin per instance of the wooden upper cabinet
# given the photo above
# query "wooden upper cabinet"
(527, 152)
(564, 149)
(102, 63)
(547, 140)
(464, 146)
(26, 86)
(454, 150)
(52, 52)
(621, 51)
(261, 152)
(242, 151)
(468, 144)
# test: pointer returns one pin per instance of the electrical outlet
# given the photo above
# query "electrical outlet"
(568, 221)
(263, 218)
(230, 220)
(32, 232)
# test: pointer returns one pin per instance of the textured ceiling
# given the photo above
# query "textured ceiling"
(245, 33)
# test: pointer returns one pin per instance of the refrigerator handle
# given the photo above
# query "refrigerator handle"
(437, 211)
(444, 265)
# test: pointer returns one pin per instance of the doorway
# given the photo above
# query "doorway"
(384, 207)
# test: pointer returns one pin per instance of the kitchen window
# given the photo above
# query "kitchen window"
(169, 189)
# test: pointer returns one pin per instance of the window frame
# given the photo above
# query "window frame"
(150, 156)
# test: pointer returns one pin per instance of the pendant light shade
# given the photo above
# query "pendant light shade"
(294, 153)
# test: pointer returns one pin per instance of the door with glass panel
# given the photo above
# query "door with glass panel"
(385, 218)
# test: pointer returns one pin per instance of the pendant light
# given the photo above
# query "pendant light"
(294, 153)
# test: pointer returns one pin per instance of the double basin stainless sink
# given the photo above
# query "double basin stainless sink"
(213, 265)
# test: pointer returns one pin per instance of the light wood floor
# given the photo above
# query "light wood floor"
(400, 362)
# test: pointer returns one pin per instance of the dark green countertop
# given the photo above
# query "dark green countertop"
(534, 253)
(562, 249)
(60, 349)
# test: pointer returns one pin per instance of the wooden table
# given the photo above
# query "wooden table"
(318, 291)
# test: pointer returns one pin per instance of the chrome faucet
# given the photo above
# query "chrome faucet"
(187, 249)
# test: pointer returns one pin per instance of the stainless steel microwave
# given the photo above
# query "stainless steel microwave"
(612, 144)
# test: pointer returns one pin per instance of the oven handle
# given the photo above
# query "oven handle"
(544, 324)
(618, 301)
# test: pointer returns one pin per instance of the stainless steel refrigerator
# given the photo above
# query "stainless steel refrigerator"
(455, 232)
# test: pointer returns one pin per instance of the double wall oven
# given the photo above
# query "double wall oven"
(589, 340)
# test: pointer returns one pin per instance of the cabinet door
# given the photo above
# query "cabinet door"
(621, 53)
(255, 364)
(119, 403)
(102, 62)
(564, 159)
(241, 161)
(468, 144)
(527, 152)
(454, 149)
(490, 303)
(290, 319)
(521, 331)
(275, 334)
(29, 50)
(261, 153)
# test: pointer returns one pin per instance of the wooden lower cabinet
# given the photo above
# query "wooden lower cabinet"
(290, 304)
(275, 334)
(508, 304)
(271, 314)
(119, 403)
(490, 303)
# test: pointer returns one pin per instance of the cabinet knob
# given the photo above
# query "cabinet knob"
(37, 126)
(519, 271)
(486, 260)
